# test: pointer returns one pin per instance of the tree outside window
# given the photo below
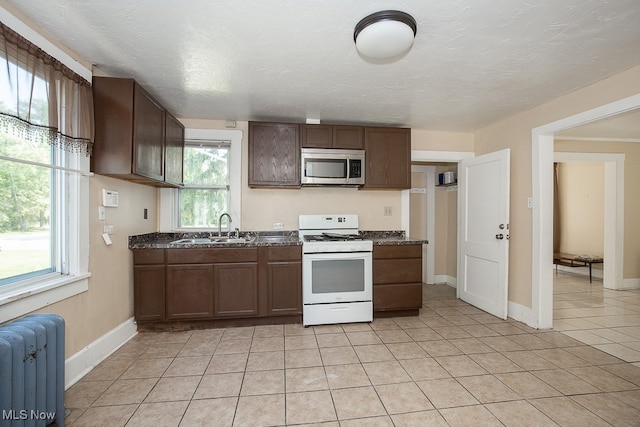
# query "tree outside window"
(205, 195)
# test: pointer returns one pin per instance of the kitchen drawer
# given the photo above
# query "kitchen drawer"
(397, 270)
(285, 253)
(211, 255)
(397, 296)
(148, 256)
(397, 251)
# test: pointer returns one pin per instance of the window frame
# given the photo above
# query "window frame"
(37, 293)
(169, 197)
(28, 295)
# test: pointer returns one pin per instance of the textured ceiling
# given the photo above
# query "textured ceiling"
(473, 61)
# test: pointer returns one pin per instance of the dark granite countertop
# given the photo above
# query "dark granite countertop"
(391, 238)
(254, 238)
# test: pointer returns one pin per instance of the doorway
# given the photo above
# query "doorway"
(542, 192)
(433, 216)
(430, 163)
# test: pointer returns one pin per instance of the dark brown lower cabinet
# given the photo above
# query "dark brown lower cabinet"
(148, 288)
(190, 291)
(235, 289)
(217, 284)
(397, 279)
(148, 291)
(284, 283)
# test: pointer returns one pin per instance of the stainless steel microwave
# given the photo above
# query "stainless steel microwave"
(322, 166)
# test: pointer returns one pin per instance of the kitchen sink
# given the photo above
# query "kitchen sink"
(210, 240)
(273, 239)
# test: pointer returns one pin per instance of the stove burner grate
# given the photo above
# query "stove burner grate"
(331, 237)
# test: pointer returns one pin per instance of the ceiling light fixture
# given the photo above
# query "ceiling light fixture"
(385, 34)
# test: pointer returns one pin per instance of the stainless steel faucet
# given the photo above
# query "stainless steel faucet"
(220, 222)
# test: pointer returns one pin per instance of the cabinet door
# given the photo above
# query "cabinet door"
(149, 296)
(236, 289)
(285, 288)
(189, 291)
(348, 137)
(388, 158)
(317, 136)
(173, 150)
(148, 136)
(274, 155)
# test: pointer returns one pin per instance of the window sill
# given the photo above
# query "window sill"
(28, 298)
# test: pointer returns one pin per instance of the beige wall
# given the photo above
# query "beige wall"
(581, 208)
(429, 140)
(109, 300)
(446, 206)
(631, 150)
(261, 208)
(515, 133)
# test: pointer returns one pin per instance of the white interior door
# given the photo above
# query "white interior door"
(483, 232)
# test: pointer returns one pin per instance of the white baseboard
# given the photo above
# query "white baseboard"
(78, 365)
(628, 284)
(520, 313)
(447, 280)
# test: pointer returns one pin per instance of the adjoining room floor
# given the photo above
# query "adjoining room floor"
(605, 319)
(453, 365)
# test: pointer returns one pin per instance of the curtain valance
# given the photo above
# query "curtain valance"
(41, 98)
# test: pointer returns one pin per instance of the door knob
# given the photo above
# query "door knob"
(500, 236)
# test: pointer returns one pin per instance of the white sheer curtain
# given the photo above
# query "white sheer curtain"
(42, 99)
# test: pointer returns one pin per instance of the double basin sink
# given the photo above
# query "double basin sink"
(230, 240)
(210, 240)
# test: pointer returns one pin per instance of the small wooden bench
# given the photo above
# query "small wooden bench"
(570, 260)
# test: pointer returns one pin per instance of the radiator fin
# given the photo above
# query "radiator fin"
(32, 371)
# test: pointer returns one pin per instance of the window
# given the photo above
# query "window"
(29, 219)
(212, 178)
(45, 138)
(205, 195)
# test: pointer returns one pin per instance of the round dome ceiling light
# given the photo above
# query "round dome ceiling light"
(385, 34)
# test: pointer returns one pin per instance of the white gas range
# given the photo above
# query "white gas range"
(337, 277)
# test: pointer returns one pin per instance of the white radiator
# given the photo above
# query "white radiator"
(32, 371)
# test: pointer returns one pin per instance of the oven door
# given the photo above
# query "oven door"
(337, 277)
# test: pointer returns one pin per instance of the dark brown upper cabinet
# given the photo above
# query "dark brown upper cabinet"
(174, 151)
(333, 136)
(388, 158)
(135, 137)
(274, 155)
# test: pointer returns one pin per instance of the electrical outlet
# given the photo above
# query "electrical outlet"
(278, 226)
(529, 202)
(387, 211)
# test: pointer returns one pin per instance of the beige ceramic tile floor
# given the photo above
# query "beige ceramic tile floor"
(452, 365)
(605, 319)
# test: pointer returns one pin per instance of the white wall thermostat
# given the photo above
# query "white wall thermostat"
(109, 198)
